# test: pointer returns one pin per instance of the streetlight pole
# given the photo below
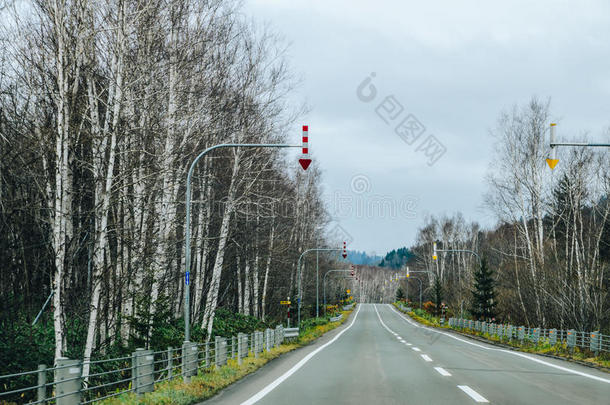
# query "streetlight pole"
(317, 284)
(324, 285)
(187, 309)
(299, 278)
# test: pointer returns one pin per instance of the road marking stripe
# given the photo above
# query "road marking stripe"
(443, 372)
(409, 344)
(417, 349)
(261, 394)
(472, 393)
(514, 353)
(425, 357)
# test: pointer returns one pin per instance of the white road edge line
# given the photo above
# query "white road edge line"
(425, 357)
(443, 372)
(472, 393)
(262, 393)
(580, 373)
(382, 323)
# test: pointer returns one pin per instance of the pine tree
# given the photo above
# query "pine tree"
(438, 294)
(483, 303)
(400, 294)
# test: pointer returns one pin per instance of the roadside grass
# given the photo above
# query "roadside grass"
(210, 381)
(543, 347)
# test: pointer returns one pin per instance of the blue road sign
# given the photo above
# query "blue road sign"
(186, 277)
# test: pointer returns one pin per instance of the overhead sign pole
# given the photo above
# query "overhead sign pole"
(552, 160)
(187, 226)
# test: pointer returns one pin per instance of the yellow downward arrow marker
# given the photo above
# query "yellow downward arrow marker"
(552, 163)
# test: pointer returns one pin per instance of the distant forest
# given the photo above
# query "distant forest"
(362, 258)
(396, 258)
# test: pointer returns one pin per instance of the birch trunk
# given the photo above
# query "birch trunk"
(104, 177)
(212, 298)
(247, 287)
(267, 268)
(63, 187)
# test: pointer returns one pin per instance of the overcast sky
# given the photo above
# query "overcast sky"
(453, 66)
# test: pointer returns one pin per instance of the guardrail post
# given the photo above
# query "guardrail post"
(189, 360)
(42, 384)
(220, 351)
(268, 339)
(67, 382)
(240, 338)
(571, 339)
(595, 342)
(536, 336)
(553, 337)
(143, 371)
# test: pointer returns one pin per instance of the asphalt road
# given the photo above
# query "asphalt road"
(379, 356)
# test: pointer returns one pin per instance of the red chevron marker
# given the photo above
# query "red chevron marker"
(305, 161)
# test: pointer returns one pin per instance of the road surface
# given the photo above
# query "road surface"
(380, 356)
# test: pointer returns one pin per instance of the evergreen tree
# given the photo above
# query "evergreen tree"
(396, 258)
(438, 294)
(483, 302)
(400, 294)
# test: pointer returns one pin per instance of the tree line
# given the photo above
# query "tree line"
(103, 106)
(550, 251)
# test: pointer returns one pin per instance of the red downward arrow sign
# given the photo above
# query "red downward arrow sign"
(305, 163)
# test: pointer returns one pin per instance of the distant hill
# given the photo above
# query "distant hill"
(356, 257)
(396, 258)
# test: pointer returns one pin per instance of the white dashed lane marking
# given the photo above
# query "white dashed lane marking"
(425, 357)
(472, 393)
(443, 372)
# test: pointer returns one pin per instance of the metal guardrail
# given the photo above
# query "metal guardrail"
(596, 342)
(290, 333)
(336, 318)
(136, 373)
